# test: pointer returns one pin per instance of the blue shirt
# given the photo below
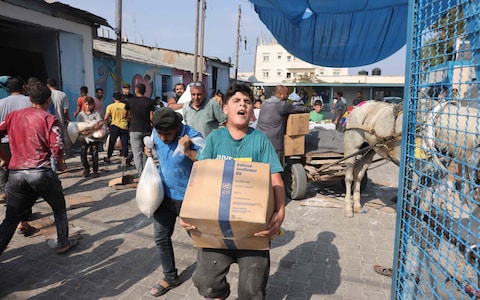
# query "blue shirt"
(174, 170)
(255, 147)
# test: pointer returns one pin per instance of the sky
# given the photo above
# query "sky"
(171, 25)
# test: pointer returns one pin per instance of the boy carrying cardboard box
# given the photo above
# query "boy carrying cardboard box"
(237, 141)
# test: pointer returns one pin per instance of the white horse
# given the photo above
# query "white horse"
(449, 132)
(375, 127)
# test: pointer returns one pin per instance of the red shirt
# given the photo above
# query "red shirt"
(34, 135)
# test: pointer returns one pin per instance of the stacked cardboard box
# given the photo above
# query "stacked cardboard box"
(294, 139)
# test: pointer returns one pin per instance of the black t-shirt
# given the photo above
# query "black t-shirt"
(125, 98)
(140, 108)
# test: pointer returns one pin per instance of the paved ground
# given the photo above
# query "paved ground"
(322, 255)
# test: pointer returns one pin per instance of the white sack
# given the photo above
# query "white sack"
(150, 192)
(180, 150)
(73, 132)
(82, 126)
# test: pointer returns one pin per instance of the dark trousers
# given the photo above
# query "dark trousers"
(210, 275)
(91, 148)
(163, 225)
(116, 132)
(3, 172)
(23, 189)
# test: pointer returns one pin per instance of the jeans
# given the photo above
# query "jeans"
(93, 149)
(163, 225)
(116, 132)
(210, 275)
(136, 142)
(23, 189)
(4, 173)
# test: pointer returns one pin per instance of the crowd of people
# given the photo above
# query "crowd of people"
(226, 123)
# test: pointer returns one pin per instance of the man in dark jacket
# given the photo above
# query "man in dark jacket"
(273, 116)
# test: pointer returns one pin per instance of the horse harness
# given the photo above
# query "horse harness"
(381, 141)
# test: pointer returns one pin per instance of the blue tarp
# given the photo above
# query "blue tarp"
(336, 33)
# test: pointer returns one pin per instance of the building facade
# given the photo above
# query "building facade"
(274, 64)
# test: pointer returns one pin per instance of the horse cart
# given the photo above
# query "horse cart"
(322, 161)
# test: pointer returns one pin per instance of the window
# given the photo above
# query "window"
(294, 74)
(265, 74)
(266, 58)
(336, 73)
(289, 75)
(279, 56)
(289, 57)
(279, 73)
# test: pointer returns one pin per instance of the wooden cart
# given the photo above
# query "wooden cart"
(317, 165)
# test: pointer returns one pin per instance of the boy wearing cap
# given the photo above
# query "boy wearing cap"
(238, 141)
(168, 134)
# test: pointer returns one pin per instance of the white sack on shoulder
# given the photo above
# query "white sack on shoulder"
(198, 141)
(150, 192)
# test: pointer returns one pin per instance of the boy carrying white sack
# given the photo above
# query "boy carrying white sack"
(169, 132)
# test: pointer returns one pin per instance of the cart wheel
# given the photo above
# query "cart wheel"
(295, 181)
(363, 183)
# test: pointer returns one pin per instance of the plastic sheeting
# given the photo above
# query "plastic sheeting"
(351, 33)
(336, 33)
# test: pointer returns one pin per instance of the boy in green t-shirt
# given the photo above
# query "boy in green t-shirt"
(239, 141)
(316, 115)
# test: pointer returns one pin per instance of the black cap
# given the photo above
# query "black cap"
(166, 118)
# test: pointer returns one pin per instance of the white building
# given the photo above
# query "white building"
(274, 64)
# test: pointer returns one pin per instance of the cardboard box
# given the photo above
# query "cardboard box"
(294, 145)
(229, 201)
(297, 124)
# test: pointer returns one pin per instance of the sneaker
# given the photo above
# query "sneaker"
(106, 160)
(163, 286)
(95, 174)
(85, 173)
(71, 244)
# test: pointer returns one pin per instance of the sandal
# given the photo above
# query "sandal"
(71, 244)
(163, 286)
(383, 270)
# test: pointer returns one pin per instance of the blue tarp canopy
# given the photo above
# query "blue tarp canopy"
(336, 33)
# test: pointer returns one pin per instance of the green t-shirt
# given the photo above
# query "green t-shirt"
(316, 117)
(206, 119)
(255, 147)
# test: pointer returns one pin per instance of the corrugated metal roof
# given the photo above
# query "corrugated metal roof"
(61, 10)
(150, 55)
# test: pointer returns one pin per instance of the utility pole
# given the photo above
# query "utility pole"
(202, 34)
(118, 57)
(195, 55)
(238, 44)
